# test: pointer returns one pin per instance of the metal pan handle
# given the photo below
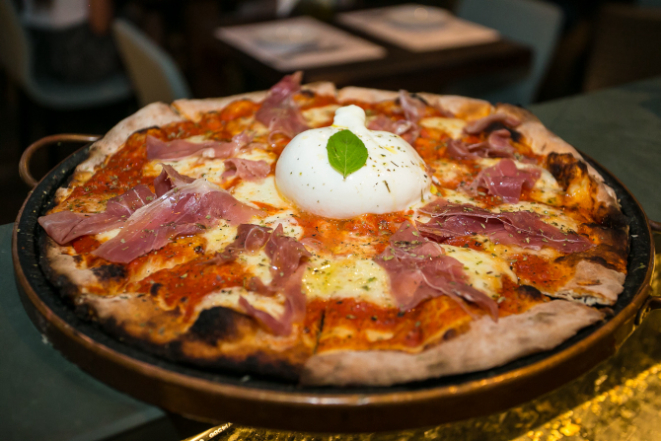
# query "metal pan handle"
(653, 302)
(24, 163)
(655, 226)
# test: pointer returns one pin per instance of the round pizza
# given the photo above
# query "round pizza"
(336, 237)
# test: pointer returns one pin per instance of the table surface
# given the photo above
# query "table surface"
(402, 69)
(49, 398)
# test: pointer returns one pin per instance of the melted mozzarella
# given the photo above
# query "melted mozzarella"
(447, 171)
(257, 264)
(317, 116)
(484, 271)
(457, 197)
(454, 127)
(219, 237)
(229, 298)
(285, 218)
(264, 192)
(194, 167)
(336, 278)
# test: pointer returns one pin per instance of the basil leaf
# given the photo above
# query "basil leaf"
(346, 152)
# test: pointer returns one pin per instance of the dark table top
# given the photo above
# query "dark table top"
(43, 396)
(403, 69)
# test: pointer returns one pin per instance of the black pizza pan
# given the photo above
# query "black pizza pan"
(224, 396)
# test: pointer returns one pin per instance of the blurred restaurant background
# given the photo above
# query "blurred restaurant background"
(80, 67)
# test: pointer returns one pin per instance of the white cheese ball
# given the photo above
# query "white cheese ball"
(393, 179)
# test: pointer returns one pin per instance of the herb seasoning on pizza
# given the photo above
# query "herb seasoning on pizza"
(326, 236)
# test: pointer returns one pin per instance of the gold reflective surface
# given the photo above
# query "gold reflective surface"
(620, 399)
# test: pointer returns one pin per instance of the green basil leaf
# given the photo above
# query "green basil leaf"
(346, 152)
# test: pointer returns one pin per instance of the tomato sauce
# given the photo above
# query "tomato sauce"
(540, 272)
(85, 244)
(187, 284)
(334, 234)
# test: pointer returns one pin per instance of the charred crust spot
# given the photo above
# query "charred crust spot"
(154, 289)
(611, 251)
(610, 216)
(418, 97)
(85, 312)
(449, 334)
(497, 125)
(67, 289)
(307, 92)
(110, 272)
(516, 136)
(215, 324)
(529, 291)
(565, 168)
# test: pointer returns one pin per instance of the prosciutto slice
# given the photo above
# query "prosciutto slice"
(65, 226)
(418, 270)
(496, 145)
(407, 128)
(188, 209)
(279, 112)
(168, 179)
(181, 148)
(482, 124)
(287, 268)
(505, 180)
(246, 169)
(522, 228)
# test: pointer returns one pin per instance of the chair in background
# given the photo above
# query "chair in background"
(154, 74)
(16, 58)
(626, 46)
(530, 22)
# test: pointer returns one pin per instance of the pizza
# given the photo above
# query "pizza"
(336, 237)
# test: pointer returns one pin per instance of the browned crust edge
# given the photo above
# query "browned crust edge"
(486, 345)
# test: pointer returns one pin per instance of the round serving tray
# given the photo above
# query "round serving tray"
(222, 396)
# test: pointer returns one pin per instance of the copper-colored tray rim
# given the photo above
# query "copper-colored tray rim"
(595, 347)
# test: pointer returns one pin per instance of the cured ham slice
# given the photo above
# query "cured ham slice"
(250, 237)
(287, 267)
(65, 226)
(168, 179)
(286, 254)
(505, 180)
(279, 112)
(482, 124)
(418, 270)
(188, 209)
(414, 109)
(522, 228)
(496, 145)
(246, 169)
(181, 148)
(407, 128)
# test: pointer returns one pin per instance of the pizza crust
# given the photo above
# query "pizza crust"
(155, 114)
(543, 141)
(486, 345)
(194, 109)
(603, 284)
